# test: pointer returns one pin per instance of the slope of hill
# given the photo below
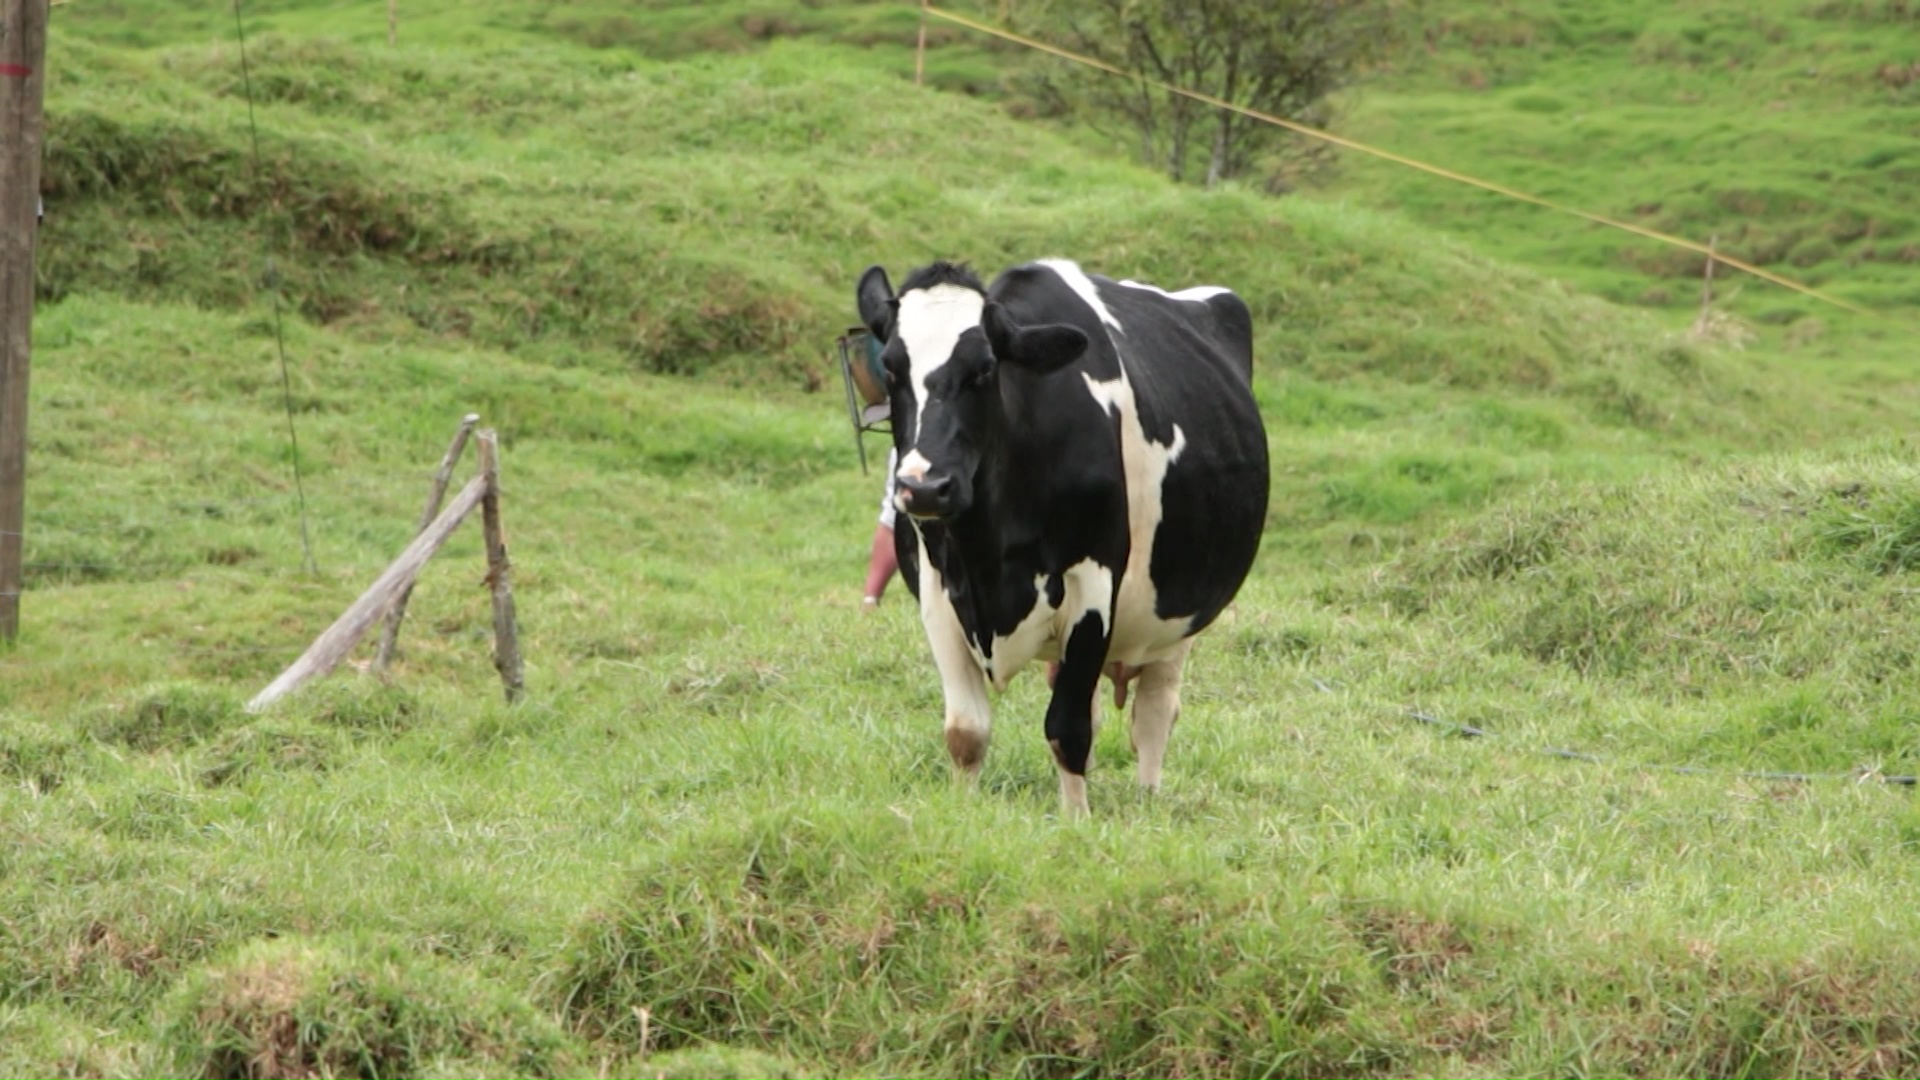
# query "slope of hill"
(1787, 131)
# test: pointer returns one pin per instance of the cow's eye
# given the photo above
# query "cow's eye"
(980, 378)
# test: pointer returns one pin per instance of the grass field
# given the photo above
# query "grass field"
(1785, 130)
(718, 838)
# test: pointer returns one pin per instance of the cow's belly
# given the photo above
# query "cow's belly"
(1137, 641)
(1140, 636)
(1042, 633)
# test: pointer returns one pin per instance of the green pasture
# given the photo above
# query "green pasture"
(1653, 568)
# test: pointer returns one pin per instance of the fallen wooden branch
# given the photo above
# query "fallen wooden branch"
(391, 636)
(331, 647)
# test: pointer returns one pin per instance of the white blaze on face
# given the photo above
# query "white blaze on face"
(1139, 634)
(930, 322)
(913, 468)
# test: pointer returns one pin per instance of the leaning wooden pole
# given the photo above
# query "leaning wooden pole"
(23, 79)
(331, 647)
(390, 637)
(920, 49)
(506, 633)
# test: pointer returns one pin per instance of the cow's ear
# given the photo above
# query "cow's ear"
(874, 295)
(1041, 349)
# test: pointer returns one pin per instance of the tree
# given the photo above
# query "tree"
(1284, 57)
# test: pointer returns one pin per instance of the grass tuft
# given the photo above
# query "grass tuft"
(296, 1007)
(271, 747)
(714, 1062)
(171, 716)
(922, 949)
(1875, 527)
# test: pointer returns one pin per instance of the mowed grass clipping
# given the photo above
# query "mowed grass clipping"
(719, 836)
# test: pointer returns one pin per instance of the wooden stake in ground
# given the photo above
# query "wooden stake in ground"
(393, 21)
(331, 647)
(1703, 322)
(506, 634)
(391, 636)
(920, 50)
(23, 56)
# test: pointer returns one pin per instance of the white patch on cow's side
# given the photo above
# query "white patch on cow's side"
(1102, 396)
(1087, 587)
(1036, 636)
(1139, 635)
(962, 678)
(1089, 590)
(1197, 294)
(930, 323)
(1083, 286)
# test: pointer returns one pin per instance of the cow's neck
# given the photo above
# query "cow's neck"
(975, 551)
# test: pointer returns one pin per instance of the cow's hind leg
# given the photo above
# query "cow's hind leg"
(1156, 707)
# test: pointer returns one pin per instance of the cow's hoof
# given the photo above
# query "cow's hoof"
(1073, 797)
(967, 749)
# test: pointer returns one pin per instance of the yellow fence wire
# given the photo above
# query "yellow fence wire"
(1398, 159)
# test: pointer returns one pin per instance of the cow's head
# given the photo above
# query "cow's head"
(946, 342)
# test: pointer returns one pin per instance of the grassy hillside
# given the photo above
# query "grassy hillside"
(1786, 130)
(1783, 131)
(718, 837)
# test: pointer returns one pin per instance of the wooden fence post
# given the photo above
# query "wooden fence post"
(1703, 322)
(920, 50)
(391, 636)
(506, 634)
(331, 647)
(23, 78)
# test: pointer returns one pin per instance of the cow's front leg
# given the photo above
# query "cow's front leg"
(1070, 711)
(969, 713)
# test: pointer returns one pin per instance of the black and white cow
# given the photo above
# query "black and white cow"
(1086, 474)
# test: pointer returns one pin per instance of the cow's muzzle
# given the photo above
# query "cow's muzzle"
(925, 496)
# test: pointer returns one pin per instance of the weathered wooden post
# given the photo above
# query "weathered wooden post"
(506, 634)
(920, 50)
(23, 79)
(391, 636)
(389, 592)
(331, 647)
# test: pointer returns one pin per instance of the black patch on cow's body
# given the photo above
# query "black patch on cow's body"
(1049, 491)
(943, 273)
(1191, 364)
(1069, 723)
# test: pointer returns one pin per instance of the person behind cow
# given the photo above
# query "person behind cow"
(882, 562)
